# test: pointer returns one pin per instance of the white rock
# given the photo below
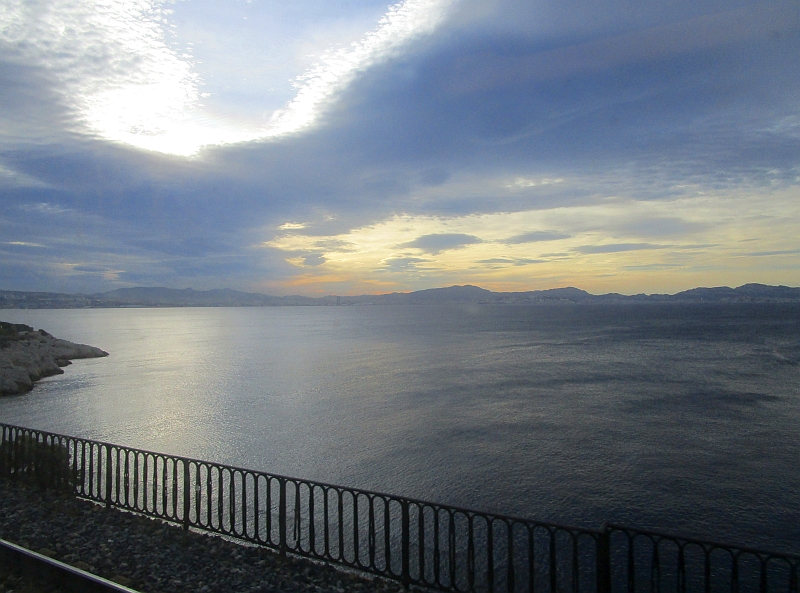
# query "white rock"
(31, 356)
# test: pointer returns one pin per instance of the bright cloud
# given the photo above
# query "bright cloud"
(15, 178)
(523, 182)
(336, 69)
(23, 244)
(111, 64)
(116, 71)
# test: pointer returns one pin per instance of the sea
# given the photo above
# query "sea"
(683, 418)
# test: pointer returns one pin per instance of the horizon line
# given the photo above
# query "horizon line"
(397, 292)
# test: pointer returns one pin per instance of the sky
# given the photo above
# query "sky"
(347, 147)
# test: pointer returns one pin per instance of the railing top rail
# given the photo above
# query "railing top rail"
(700, 542)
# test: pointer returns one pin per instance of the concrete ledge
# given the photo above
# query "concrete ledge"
(40, 568)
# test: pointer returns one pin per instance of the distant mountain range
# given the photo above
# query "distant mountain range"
(170, 297)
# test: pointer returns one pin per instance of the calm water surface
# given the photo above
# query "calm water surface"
(682, 418)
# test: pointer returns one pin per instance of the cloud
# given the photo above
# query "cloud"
(659, 114)
(663, 226)
(314, 259)
(618, 247)
(523, 182)
(15, 179)
(770, 253)
(535, 237)
(503, 261)
(438, 242)
(652, 267)
(22, 244)
(117, 71)
(398, 264)
(336, 69)
(113, 67)
(44, 208)
(89, 269)
(640, 43)
(335, 245)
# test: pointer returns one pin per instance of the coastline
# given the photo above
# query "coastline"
(147, 297)
(27, 355)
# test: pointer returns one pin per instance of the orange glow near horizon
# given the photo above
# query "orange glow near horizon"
(607, 247)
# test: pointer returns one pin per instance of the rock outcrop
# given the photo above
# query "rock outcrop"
(27, 355)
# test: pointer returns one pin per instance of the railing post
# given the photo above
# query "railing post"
(3, 450)
(109, 477)
(604, 559)
(282, 516)
(73, 475)
(8, 453)
(29, 459)
(14, 452)
(187, 497)
(406, 537)
(52, 465)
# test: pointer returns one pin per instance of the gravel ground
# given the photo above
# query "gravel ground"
(12, 582)
(155, 557)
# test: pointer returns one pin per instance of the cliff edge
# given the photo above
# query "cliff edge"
(27, 355)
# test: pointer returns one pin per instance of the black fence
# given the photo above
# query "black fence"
(412, 541)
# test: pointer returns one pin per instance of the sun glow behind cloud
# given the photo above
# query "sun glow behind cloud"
(118, 74)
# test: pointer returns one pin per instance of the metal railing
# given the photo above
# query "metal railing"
(412, 541)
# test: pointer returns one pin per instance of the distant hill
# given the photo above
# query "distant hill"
(171, 297)
(459, 294)
(187, 297)
(744, 292)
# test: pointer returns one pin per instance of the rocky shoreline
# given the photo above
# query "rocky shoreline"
(155, 557)
(27, 355)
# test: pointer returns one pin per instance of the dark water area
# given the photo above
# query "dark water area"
(682, 418)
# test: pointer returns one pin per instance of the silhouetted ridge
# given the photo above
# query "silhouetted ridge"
(467, 293)
(142, 296)
(744, 293)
